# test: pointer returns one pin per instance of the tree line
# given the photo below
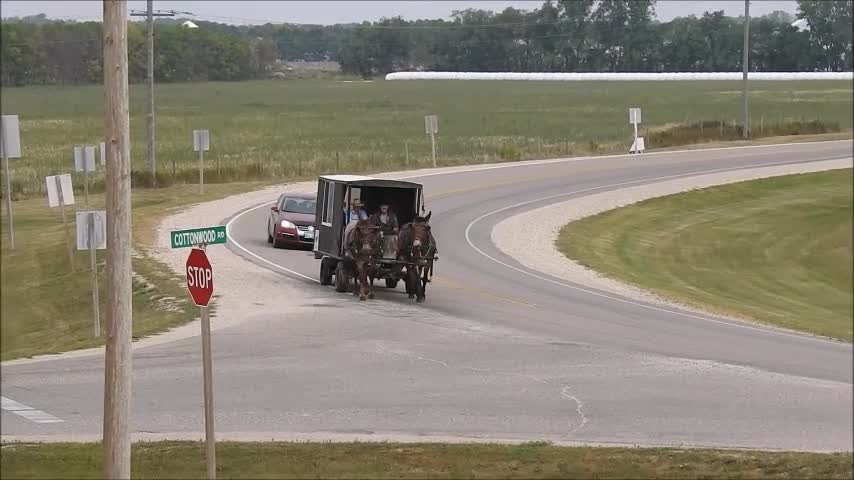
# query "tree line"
(560, 36)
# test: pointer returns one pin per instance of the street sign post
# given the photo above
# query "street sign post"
(60, 194)
(431, 126)
(92, 236)
(198, 236)
(84, 161)
(635, 119)
(201, 144)
(10, 147)
(200, 285)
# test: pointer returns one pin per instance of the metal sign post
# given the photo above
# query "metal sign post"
(10, 147)
(201, 143)
(92, 236)
(84, 161)
(60, 194)
(635, 119)
(200, 286)
(431, 125)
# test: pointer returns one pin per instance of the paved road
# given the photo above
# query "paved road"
(494, 353)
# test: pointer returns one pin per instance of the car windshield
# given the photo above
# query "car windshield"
(298, 205)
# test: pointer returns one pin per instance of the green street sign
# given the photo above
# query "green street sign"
(198, 236)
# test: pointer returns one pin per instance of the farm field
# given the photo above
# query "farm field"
(276, 129)
(392, 460)
(775, 250)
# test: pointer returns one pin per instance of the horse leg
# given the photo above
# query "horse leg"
(363, 280)
(372, 275)
(419, 285)
(411, 279)
(355, 276)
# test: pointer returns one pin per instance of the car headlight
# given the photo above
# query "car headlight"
(287, 224)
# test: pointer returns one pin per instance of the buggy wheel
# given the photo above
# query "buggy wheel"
(325, 272)
(341, 279)
(391, 283)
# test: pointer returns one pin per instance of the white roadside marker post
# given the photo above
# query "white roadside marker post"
(10, 147)
(431, 125)
(92, 236)
(60, 194)
(201, 143)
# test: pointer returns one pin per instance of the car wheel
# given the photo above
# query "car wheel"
(269, 235)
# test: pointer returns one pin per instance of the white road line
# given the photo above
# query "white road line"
(27, 412)
(768, 330)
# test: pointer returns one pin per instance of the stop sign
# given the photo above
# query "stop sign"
(199, 277)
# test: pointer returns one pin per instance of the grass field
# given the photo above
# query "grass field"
(388, 460)
(47, 308)
(775, 250)
(284, 129)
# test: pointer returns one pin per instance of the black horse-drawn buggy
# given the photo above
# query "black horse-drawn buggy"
(370, 228)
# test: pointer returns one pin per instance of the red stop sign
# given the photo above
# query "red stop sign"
(199, 277)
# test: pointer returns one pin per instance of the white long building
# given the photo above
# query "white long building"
(617, 77)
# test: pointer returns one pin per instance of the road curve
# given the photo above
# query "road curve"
(493, 354)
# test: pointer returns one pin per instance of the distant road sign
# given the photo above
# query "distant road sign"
(98, 228)
(634, 115)
(199, 277)
(198, 236)
(201, 141)
(10, 137)
(59, 189)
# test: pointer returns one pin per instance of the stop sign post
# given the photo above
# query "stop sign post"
(200, 285)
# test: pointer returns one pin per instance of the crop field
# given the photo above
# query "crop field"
(286, 129)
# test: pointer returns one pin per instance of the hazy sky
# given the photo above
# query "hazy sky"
(329, 12)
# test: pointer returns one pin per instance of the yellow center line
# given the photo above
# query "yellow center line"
(449, 283)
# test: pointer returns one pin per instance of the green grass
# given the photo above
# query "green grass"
(776, 250)
(389, 460)
(280, 129)
(47, 308)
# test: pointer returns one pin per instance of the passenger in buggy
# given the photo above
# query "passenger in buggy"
(387, 221)
(357, 212)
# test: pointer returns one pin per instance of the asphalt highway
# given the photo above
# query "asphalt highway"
(495, 353)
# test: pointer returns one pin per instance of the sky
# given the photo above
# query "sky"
(331, 12)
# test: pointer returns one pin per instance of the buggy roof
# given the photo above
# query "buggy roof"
(361, 181)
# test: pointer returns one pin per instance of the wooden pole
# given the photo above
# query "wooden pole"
(117, 360)
(149, 121)
(746, 65)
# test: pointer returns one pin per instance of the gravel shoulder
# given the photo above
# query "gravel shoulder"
(512, 235)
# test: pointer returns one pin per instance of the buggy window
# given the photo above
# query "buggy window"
(326, 218)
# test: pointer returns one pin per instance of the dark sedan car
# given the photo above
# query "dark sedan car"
(291, 221)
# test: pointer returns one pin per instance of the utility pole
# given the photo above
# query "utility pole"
(745, 65)
(117, 360)
(150, 14)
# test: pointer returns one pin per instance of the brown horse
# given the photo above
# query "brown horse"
(417, 247)
(363, 246)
